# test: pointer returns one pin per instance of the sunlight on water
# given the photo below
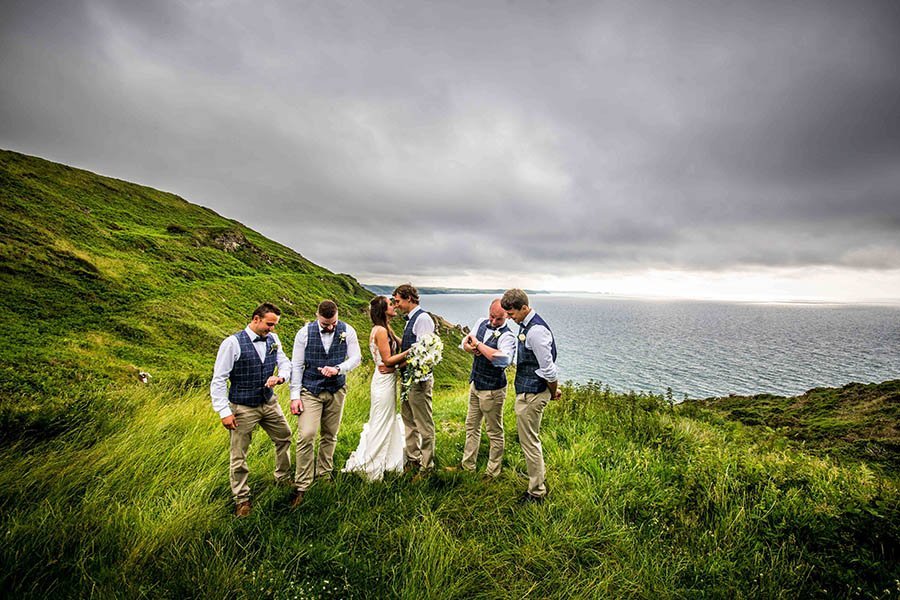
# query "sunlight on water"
(708, 348)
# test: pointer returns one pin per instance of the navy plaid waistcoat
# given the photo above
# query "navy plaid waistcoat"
(527, 382)
(409, 338)
(315, 357)
(248, 375)
(484, 375)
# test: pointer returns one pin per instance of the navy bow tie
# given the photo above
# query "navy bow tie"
(324, 331)
(259, 339)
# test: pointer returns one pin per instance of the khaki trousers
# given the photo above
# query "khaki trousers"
(529, 410)
(419, 424)
(487, 404)
(322, 412)
(270, 417)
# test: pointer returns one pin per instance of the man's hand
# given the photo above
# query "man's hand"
(273, 381)
(329, 371)
(470, 344)
(385, 370)
(229, 422)
(296, 406)
(555, 393)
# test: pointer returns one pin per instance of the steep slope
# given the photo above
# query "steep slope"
(103, 279)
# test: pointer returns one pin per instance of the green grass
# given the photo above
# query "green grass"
(106, 278)
(668, 506)
(852, 423)
(111, 488)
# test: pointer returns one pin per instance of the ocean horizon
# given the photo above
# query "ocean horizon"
(705, 348)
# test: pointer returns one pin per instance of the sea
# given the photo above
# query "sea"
(702, 349)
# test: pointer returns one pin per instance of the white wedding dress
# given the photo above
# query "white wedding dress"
(381, 444)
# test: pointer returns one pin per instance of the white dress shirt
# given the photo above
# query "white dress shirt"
(354, 356)
(229, 352)
(540, 341)
(506, 344)
(423, 326)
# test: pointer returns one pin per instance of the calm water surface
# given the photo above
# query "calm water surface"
(708, 348)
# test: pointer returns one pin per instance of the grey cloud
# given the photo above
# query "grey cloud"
(561, 135)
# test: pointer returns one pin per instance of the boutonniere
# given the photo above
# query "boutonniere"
(521, 337)
(273, 349)
(496, 333)
(343, 336)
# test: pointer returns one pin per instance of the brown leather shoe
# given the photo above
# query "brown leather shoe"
(242, 509)
(527, 498)
(297, 499)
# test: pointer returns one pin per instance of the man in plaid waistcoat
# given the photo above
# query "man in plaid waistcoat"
(325, 350)
(416, 411)
(492, 345)
(537, 378)
(242, 394)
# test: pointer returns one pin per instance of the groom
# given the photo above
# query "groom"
(324, 352)
(416, 411)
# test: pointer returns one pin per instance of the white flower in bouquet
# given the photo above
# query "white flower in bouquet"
(420, 362)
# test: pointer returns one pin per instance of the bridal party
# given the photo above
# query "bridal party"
(392, 440)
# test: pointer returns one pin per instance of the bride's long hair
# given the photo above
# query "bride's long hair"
(378, 307)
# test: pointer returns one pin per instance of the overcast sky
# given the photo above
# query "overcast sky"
(718, 149)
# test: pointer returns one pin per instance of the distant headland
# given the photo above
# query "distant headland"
(387, 290)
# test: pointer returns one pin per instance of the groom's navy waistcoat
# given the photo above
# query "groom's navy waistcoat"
(249, 374)
(484, 375)
(527, 381)
(409, 338)
(316, 357)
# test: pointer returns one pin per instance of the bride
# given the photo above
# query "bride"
(381, 444)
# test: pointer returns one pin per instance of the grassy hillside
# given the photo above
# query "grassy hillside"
(111, 488)
(856, 422)
(105, 278)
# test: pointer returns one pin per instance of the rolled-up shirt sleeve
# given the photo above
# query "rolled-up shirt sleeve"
(354, 355)
(229, 352)
(507, 345)
(540, 341)
(298, 362)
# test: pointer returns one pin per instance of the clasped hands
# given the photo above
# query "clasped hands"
(329, 371)
(297, 403)
(470, 344)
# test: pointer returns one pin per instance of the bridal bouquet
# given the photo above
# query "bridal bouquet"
(420, 362)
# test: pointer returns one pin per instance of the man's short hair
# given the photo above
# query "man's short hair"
(514, 299)
(327, 309)
(265, 308)
(407, 292)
